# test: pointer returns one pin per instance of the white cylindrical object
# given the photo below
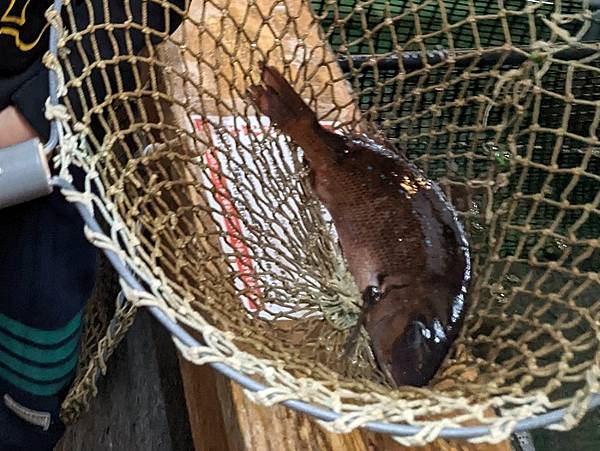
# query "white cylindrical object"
(24, 173)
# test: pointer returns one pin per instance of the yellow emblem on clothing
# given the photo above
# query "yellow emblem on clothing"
(12, 21)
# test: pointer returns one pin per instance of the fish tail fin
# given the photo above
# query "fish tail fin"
(276, 99)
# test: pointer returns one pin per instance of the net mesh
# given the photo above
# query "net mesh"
(211, 208)
(104, 327)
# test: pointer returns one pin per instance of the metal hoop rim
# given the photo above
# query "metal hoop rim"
(401, 430)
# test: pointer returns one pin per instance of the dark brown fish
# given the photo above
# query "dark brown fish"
(401, 239)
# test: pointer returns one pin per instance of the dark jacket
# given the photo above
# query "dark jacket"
(24, 34)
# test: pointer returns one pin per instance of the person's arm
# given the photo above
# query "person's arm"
(14, 128)
(158, 16)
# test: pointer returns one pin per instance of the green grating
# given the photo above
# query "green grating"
(358, 27)
(342, 22)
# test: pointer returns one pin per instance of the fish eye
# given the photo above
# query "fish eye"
(372, 294)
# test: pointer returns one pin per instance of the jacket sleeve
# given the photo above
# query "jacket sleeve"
(157, 18)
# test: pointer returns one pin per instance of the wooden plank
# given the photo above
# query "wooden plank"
(221, 416)
(210, 430)
(277, 428)
(140, 404)
(216, 82)
(248, 426)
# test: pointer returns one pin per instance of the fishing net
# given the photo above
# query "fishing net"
(209, 206)
(104, 327)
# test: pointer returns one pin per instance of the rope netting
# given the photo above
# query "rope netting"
(210, 206)
(105, 325)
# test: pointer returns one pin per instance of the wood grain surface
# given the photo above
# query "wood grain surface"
(222, 418)
(250, 427)
(140, 404)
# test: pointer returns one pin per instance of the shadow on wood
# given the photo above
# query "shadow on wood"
(140, 404)
(251, 427)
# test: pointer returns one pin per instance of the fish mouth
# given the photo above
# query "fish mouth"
(413, 353)
(416, 355)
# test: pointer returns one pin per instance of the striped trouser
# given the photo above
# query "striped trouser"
(46, 275)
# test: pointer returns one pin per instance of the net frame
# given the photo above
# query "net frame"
(192, 348)
(326, 416)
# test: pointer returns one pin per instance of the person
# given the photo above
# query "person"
(47, 267)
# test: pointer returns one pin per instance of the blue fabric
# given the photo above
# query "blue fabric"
(16, 435)
(47, 272)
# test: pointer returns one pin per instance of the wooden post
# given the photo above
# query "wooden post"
(250, 427)
(221, 417)
(140, 404)
(153, 401)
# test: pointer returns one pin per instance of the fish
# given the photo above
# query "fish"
(401, 239)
